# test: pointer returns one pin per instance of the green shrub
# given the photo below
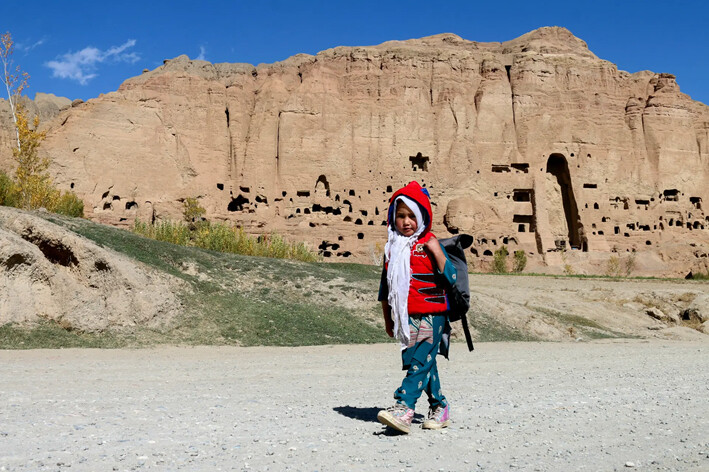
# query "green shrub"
(613, 266)
(225, 238)
(8, 191)
(167, 231)
(629, 263)
(40, 193)
(68, 204)
(569, 269)
(520, 261)
(192, 212)
(499, 262)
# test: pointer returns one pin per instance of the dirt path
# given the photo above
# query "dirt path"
(520, 406)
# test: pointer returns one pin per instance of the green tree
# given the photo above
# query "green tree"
(192, 211)
(499, 261)
(520, 261)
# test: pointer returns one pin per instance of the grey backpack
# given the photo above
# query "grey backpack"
(459, 293)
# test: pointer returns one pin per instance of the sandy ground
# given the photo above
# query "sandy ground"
(516, 406)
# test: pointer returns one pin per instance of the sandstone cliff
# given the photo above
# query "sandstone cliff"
(534, 143)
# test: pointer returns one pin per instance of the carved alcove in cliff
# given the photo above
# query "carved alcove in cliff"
(558, 167)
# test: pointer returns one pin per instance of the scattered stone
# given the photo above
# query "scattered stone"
(659, 315)
(698, 310)
(704, 327)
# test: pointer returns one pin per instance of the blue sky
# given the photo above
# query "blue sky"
(79, 49)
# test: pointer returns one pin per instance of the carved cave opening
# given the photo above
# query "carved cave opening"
(671, 195)
(237, 204)
(525, 223)
(558, 167)
(321, 184)
(522, 195)
(419, 162)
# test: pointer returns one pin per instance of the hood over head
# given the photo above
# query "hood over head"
(418, 194)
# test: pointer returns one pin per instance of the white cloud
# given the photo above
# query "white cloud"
(81, 65)
(25, 48)
(202, 52)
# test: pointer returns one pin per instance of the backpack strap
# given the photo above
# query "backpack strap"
(466, 330)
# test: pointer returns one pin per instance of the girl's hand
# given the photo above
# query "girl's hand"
(432, 245)
(388, 322)
(434, 248)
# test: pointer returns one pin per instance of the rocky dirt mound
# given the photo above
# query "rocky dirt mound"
(50, 273)
(571, 308)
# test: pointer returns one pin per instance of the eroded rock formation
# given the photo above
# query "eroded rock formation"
(534, 143)
(49, 273)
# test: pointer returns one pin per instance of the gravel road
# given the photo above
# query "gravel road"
(516, 406)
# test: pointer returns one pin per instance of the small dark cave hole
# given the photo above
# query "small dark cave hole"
(102, 266)
(131, 205)
(237, 204)
(15, 260)
(54, 251)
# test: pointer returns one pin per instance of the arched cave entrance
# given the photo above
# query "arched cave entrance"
(558, 167)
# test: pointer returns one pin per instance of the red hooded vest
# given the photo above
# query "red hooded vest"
(424, 296)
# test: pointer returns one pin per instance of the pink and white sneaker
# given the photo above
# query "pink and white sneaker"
(398, 417)
(437, 418)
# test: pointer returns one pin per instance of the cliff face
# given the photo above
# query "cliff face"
(534, 143)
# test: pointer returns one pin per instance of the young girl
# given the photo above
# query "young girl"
(415, 305)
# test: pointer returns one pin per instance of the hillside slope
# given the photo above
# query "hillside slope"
(217, 298)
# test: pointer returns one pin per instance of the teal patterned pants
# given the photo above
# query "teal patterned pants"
(419, 361)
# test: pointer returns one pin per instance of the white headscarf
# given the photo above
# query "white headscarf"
(398, 255)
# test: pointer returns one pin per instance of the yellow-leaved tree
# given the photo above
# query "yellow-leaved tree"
(32, 187)
(14, 80)
(33, 184)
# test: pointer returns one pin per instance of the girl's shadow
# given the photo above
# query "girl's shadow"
(356, 413)
(366, 414)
